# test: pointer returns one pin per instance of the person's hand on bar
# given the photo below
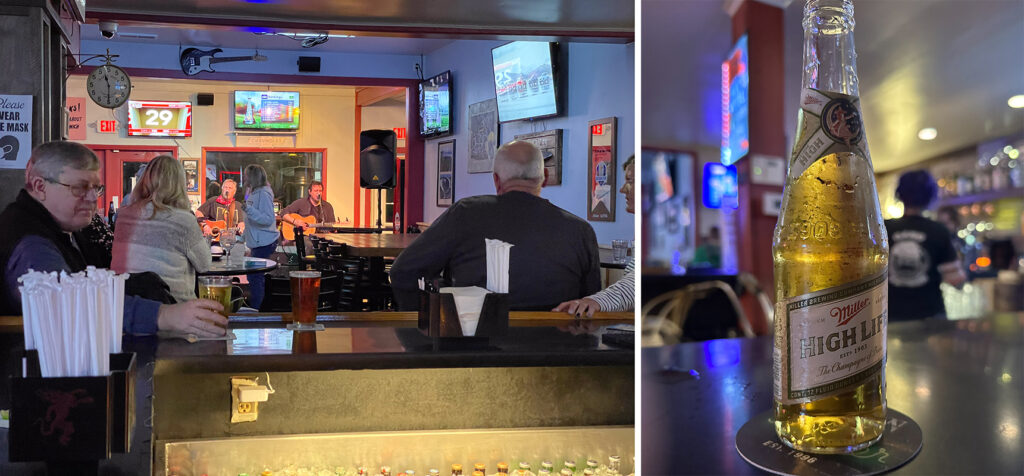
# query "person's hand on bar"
(579, 307)
(198, 316)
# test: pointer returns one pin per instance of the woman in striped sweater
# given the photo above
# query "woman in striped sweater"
(618, 296)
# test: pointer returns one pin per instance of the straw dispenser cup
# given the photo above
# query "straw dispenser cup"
(469, 313)
(73, 399)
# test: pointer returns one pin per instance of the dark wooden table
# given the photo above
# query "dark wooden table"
(961, 381)
(372, 244)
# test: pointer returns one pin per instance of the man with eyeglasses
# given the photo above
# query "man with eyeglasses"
(39, 230)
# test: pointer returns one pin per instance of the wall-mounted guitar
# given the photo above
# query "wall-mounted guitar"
(194, 60)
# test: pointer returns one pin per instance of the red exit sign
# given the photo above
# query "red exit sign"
(108, 126)
(399, 132)
(597, 129)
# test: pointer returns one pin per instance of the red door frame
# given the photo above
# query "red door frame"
(112, 175)
(412, 203)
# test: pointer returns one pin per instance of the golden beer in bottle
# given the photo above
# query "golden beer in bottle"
(831, 257)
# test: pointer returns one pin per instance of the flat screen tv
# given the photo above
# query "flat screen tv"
(267, 110)
(735, 90)
(160, 118)
(525, 80)
(720, 186)
(436, 105)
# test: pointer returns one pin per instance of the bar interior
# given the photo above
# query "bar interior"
(286, 170)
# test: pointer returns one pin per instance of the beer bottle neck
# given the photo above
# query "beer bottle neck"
(830, 62)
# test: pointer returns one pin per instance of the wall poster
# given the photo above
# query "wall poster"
(445, 173)
(484, 136)
(15, 130)
(191, 175)
(601, 170)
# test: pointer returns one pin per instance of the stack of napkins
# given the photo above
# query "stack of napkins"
(497, 265)
(468, 303)
(73, 320)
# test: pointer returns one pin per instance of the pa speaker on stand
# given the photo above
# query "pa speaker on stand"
(377, 162)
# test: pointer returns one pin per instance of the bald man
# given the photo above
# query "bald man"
(554, 256)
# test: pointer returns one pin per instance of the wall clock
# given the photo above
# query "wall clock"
(109, 86)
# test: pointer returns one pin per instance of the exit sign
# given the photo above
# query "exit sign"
(399, 132)
(108, 126)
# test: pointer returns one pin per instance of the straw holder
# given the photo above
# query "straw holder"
(72, 418)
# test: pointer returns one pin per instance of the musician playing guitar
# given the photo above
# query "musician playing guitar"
(312, 209)
(222, 212)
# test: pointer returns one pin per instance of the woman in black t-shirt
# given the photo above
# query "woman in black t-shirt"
(921, 253)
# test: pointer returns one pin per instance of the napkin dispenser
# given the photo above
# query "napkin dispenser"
(72, 418)
(439, 319)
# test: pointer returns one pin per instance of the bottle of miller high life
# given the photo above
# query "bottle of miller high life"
(831, 257)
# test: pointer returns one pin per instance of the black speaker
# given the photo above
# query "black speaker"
(204, 99)
(377, 159)
(309, 64)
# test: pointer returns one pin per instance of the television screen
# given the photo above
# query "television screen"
(436, 105)
(735, 87)
(524, 80)
(160, 118)
(720, 186)
(268, 110)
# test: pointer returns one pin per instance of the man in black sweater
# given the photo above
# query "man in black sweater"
(554, 256)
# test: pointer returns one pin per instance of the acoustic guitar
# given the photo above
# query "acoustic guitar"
(194, 60)
(217, 225)
(288, 230)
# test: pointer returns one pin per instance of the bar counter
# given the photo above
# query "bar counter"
(356, 355)
(961, 381)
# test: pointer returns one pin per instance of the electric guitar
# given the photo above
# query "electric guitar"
(194, 60)
(288, 230)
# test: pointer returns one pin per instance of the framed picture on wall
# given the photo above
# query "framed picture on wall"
(191, 175)
(484, 136)
(601, 170)
(445, 173)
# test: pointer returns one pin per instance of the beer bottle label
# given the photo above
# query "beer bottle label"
(830, 341)
(829, 123)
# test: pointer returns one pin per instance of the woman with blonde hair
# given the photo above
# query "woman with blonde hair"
(260, 233)
(158, 231)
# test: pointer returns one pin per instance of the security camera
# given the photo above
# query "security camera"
(108, 29)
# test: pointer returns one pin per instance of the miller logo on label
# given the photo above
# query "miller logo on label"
(841, 122)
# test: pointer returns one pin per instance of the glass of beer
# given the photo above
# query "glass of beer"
(305, 294)
(216, 288)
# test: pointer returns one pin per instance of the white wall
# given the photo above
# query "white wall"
(601, 84)
(328, 121)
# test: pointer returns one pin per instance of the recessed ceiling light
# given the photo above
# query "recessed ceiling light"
(1016, 102)
(928, 133)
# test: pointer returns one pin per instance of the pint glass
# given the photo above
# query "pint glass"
(216, 288)
(305, 293)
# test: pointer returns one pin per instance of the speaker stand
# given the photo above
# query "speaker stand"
(380, 229)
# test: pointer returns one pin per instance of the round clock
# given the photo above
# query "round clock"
(108, 86)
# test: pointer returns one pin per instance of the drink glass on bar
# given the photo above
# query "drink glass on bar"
(305, 294)
(216, 288)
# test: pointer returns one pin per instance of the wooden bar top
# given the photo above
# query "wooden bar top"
(372, 244)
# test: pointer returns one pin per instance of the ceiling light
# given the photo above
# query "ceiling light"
(928, 133)
(1016, 102)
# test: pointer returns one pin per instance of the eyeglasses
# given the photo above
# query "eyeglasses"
(81, 190)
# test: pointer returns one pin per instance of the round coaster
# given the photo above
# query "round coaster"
(760, 446)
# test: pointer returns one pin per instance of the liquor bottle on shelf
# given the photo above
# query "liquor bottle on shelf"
(480, 467)
(385, 471)
(548, 465)
(592, 465)
(566, 472)
(435, 472)
(478, 473)
(831, 257)
(614, 463)
(524, 469)
(456, 469)
(570, 465)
